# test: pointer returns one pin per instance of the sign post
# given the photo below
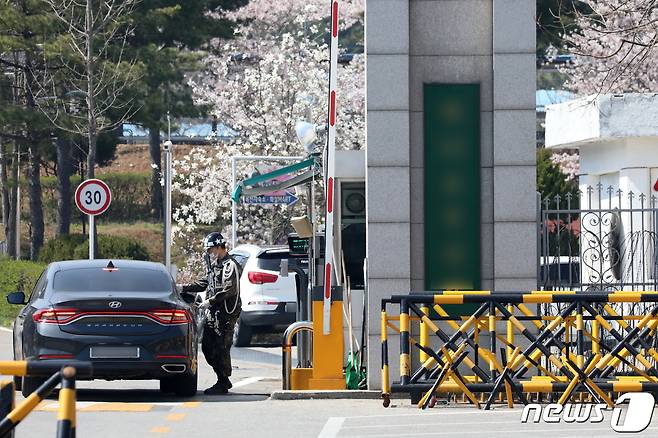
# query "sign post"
(92, 197)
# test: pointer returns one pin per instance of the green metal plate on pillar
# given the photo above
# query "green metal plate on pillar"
(452, 189)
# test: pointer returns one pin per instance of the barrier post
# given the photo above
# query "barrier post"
(386, 385)
(492, 340)
(510, 335)
(66, 412)
(424, 335)
(405, 361)
(20, 412)
(7, 401)
(580, 360)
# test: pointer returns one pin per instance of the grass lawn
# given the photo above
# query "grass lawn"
(11, 272)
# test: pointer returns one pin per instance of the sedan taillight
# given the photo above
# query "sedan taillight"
(171, 316)
(262, 277)
(55, 316)
(65, 316)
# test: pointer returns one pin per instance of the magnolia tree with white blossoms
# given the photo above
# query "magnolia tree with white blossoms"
(259, 84)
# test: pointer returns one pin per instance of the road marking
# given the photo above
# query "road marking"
(369, 426)
(175, 417)
(119, 407)
(101, 407)
(160, 429)
(331, 427)
(248, 381)
(193, 404)
(479, 413)
(5, 329)
(555, 430)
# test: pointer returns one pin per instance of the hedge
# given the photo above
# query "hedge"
(12, 272)
(76, 246)
(131, 197)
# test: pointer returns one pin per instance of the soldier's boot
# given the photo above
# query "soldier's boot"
(216, 389)
(226, 382)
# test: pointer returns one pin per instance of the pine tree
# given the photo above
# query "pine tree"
(167, 36)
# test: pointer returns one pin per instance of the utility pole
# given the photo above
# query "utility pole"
(18, 205)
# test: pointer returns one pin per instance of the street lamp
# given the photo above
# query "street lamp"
(306, 134)
(168, 146)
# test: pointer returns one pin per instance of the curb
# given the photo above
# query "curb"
(326, 395)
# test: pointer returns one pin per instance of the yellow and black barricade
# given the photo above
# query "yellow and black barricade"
(593, 344)
(58, 372)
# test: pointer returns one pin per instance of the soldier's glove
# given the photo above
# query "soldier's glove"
(205, 304)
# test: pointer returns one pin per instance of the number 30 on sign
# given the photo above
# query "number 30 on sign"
(93, 197)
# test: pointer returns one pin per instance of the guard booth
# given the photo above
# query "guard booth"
(349, 250)
(350, 232)
(349, 254)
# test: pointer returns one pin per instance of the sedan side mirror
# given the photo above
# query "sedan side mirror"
(16, 298)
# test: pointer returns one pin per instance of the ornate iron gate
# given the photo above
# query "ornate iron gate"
(601, 239)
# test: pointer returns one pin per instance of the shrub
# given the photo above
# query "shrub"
(76, 246)
(131, 197)
(61, 248)
(114, 247)
(12, 273)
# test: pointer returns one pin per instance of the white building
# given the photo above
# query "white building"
(617, 139)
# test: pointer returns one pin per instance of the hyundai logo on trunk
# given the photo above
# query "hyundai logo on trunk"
(114, 304)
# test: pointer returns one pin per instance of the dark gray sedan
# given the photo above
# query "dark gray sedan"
(124, 316)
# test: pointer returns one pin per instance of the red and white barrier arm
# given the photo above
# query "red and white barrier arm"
(330, 170)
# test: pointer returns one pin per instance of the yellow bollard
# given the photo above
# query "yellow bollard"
(424, 335)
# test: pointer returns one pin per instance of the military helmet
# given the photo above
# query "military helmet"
(213, 239)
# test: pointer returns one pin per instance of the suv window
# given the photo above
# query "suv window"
(121, 280)
(240, 258)
(271, 261)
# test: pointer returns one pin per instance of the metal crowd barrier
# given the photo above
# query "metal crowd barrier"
(57, 373)
(593, 344)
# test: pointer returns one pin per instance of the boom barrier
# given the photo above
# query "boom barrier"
(516, 344)
(57, 373)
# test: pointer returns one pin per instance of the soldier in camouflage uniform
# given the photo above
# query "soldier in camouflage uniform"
(222, 308)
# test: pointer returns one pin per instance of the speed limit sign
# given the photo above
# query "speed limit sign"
(93, 197)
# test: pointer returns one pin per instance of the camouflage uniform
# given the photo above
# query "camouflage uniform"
(222, 314)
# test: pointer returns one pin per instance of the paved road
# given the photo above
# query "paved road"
(136, 409)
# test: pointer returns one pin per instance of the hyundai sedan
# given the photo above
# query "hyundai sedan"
(124, 316)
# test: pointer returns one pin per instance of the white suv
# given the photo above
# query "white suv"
(269, 301)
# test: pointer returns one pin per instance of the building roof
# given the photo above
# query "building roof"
(600, 118)
(543, 98)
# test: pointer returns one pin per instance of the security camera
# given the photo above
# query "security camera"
(167, 146)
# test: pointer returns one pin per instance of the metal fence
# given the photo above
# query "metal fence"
(601, 239)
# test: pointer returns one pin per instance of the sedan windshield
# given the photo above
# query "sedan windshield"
(118, 280)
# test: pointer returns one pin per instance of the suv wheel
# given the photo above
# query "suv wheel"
(241, 334)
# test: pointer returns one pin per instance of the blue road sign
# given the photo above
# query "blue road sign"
(286, 199)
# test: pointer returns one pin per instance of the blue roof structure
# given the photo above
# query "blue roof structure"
(185, 131)
(549, 97)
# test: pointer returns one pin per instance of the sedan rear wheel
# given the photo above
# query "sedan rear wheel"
(167, 385)
(31, 384)
(184, 385)
(18, 383)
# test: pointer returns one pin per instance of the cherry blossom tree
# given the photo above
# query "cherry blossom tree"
(569, 164)
(259, 84)
(615, 47)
